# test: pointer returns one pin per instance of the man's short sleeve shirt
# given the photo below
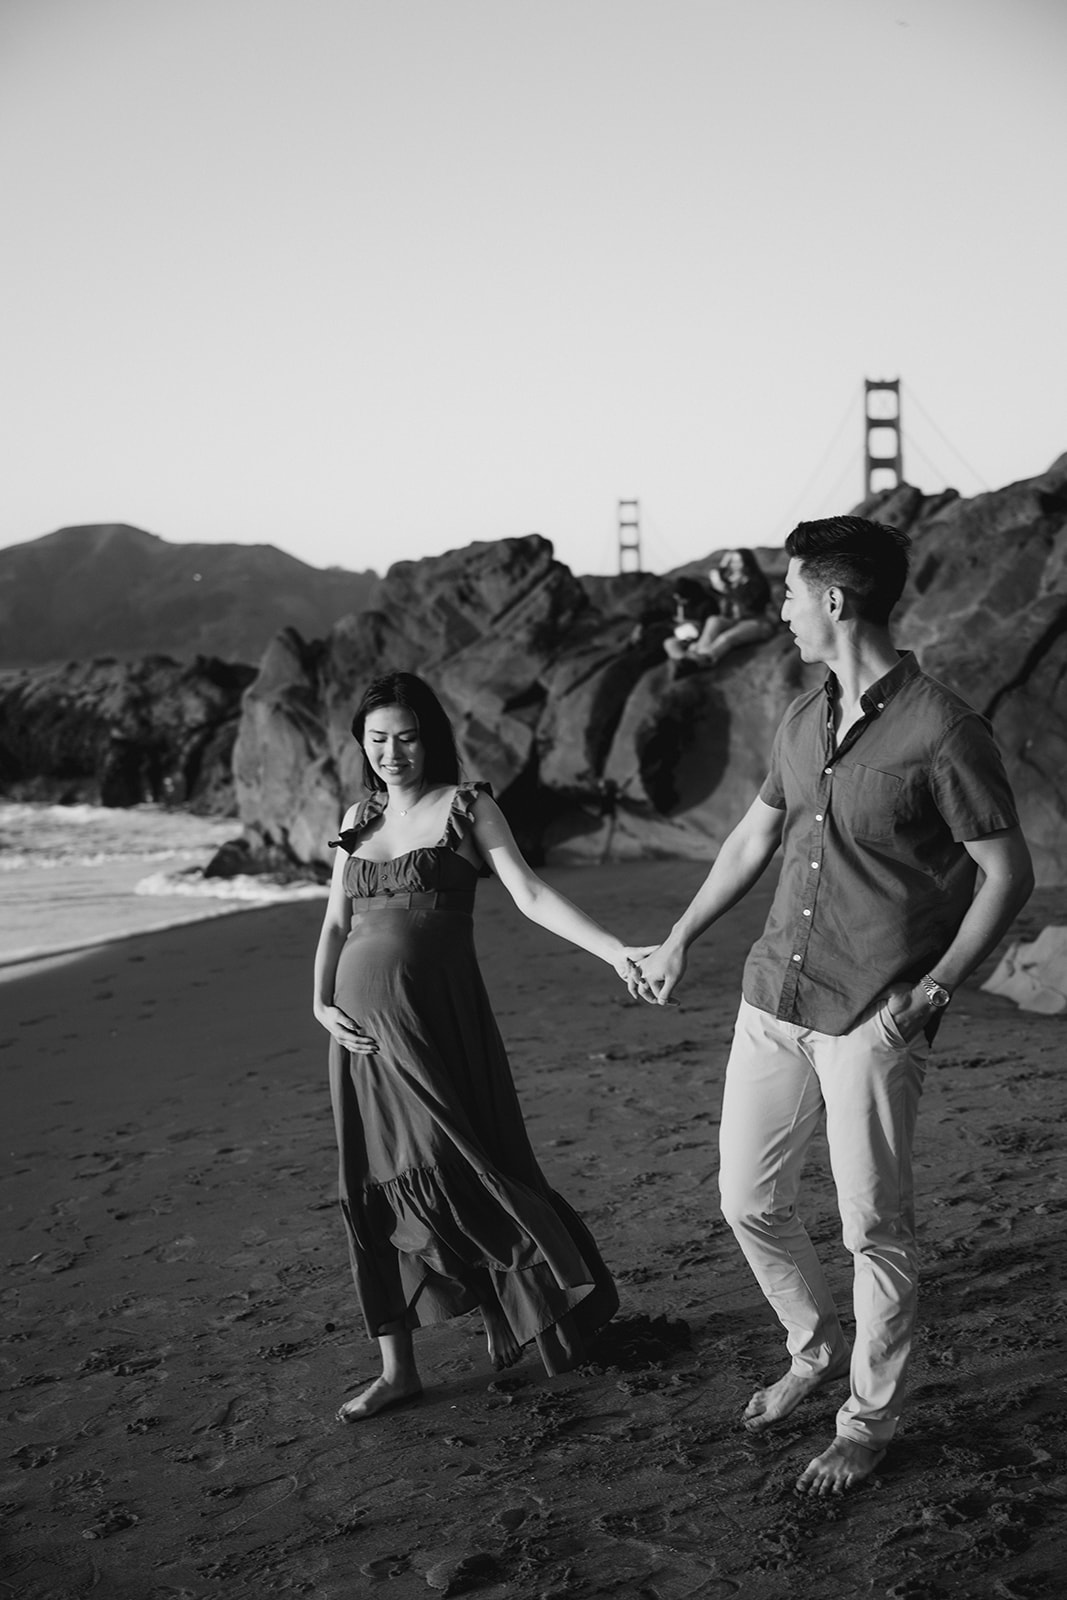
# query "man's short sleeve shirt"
(875, 880)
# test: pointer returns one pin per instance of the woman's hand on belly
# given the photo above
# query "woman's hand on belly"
(348, 1034)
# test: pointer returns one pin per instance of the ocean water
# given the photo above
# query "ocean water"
(75, 876)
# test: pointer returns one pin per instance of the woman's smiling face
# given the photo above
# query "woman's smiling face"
(393, 746)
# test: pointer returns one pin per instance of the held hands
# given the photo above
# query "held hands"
(628, 966)
(653, 972)
(662, 972)
(347, 1033)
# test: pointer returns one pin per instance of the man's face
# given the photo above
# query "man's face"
(806, 614)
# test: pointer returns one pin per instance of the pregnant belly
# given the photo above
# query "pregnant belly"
(390, 957)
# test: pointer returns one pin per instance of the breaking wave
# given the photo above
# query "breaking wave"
(259, 889)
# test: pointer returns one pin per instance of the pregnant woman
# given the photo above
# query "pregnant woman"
(445, 1206)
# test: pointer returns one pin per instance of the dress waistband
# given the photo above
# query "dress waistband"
(417, 900)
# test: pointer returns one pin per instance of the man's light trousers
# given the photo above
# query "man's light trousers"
(780, 1079)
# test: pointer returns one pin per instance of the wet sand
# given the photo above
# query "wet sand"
(179, 1325)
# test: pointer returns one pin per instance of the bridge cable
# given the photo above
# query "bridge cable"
(913, 399)
(849, 416)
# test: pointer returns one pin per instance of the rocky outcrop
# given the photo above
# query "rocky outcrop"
(555, 703)
(575, 720)
(1034, 974)
(986, 611)
(118, 733)
(286, 780)
(113, 590)
(484, 624)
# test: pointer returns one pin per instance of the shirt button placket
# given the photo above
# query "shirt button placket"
(820, 817)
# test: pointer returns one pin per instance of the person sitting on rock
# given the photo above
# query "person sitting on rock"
(743, 617)
(694, 608)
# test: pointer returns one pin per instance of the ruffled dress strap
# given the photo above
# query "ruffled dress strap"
(368, 811)
(461, 812)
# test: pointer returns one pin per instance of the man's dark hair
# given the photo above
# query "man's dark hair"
(691, 590)
(404, 689)
(869, 560)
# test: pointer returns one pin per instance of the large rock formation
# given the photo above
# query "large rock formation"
(1034, 973)
(484, 624)
(986, 611)
(569, 719)
(584, 735)
(117, 591)
(117, 733)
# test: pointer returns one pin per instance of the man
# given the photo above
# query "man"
(888, 797)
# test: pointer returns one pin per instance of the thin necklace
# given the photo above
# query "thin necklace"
(415, 802)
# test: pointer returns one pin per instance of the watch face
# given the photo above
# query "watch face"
(936, 995)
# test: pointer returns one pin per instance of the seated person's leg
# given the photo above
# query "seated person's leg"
(711, 630)
(749, 631)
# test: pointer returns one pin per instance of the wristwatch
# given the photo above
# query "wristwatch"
(935, 992)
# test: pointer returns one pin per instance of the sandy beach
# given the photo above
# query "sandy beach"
(173, 1356)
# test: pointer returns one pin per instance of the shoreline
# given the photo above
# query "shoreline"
(182, 1325)
(27, 962)
(57, 911)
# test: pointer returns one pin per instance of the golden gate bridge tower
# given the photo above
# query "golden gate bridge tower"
(629, 536)
(883, 457)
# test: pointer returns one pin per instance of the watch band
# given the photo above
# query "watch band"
(935, 992)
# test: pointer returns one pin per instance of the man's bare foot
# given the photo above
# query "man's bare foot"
(382, 1393)
(504, 1348)
(844, 1464)
(770, 1405)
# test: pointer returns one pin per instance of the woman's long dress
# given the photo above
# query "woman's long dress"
(439, 1185)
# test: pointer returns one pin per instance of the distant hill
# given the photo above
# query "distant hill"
(112, 590)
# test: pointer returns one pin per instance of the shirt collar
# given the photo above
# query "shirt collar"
(882, 691)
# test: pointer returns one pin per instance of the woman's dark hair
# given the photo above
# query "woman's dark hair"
(869, 560)
(750, 567)
(404, 689)
(751, 587)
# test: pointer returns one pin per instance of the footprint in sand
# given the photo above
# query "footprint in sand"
(52, 1261)
(473, 1569)
(179, 1249)
(229, 1425)
(386, 1567)
(238, 1503)
(111, 1519)
(119, 1361)
(35, 1455)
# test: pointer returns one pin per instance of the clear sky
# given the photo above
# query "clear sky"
(369, 279)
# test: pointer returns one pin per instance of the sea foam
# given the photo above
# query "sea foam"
(79, 876)
(254, 889)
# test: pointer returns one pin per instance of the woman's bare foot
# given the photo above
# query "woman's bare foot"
(844, 1464)
(504, 1348)
(381, 1394)
(772, 1404)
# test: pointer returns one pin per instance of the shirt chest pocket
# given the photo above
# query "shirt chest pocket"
(874, 802)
